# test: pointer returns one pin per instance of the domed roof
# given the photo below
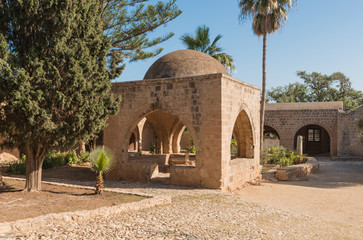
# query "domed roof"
(184, 63)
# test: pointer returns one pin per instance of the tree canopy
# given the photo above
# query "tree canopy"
(319, 87)
(128, 24)
(201, 42)
(54, 78)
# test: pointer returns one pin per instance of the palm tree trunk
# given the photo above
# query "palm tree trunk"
(99, 184)
(263, 97)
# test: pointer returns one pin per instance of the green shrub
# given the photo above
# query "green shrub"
(234, 149)
(71, 157)
(279, 156)
(84, 157)
(56, 159)
(191, 148)
(18, 167)
(152, 148)
(53, 159)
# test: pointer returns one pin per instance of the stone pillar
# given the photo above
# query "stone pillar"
(139, 146)
(299, 146)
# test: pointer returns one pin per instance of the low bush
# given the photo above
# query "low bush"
(279, 156)
(52, 159)
(234, 149)
(71, 157)
(18, 167)
(84, 157)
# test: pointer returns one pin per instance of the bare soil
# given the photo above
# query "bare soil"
(16, 204)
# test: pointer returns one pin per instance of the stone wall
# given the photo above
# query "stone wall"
(241, 112)
(288, 118)
(348, 134)
(207, 105)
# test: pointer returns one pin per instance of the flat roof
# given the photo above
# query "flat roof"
(305, 106)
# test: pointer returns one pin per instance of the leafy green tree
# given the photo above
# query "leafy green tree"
(202, 42)
(268, 16)
(53, 77)
(102, 161)
(293, 92)
(127, 23)
(319, 87)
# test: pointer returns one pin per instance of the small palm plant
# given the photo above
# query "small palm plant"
(102, 161)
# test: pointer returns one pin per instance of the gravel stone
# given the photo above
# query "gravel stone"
(195, 214)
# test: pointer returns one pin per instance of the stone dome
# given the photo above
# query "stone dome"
(184, 63)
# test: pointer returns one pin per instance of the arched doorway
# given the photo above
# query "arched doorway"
(271, 138)
(316, 140)
(242, 137)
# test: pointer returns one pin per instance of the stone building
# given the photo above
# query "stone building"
(183, 90)
(326, 128)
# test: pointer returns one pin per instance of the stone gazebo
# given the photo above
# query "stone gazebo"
(186, 89)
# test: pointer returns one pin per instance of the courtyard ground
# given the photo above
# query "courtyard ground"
(326, 205)
(335, 193)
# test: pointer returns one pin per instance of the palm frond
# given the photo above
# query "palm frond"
(102, 160)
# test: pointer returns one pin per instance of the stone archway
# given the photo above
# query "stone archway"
(162, 133)
(243, 135)
(316, 139)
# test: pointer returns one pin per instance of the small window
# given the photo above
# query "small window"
(313, 135)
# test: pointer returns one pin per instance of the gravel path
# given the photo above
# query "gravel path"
(199, 214)
(209, 214)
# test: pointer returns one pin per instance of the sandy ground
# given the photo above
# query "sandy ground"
(334, 194)
(16, 204)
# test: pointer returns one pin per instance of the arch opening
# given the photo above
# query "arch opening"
(242, 137)
(316, 140)
(271, 138)
(159, 136)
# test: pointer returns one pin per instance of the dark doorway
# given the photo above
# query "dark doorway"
(316, 140)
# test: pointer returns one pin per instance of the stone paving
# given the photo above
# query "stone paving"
(195, 214)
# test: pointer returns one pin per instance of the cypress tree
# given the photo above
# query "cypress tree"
(54, 80)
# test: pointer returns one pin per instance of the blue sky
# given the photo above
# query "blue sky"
(324, 36)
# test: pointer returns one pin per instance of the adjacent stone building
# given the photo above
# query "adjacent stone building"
(326, 128)
(186, 90)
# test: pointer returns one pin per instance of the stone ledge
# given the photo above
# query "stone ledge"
(347, 158)
(35, 223)
(297, 171)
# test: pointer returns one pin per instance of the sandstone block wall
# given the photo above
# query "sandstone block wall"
(348, 134)
(288, 118)
(241, 113)
(208, 106)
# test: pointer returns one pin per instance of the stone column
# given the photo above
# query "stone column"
(299, 146)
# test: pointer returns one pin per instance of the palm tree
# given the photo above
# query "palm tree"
(201, 42)
(102, 160)
(268, 16)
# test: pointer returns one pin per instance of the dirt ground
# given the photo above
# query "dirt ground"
(334, 194)
(16, 204)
